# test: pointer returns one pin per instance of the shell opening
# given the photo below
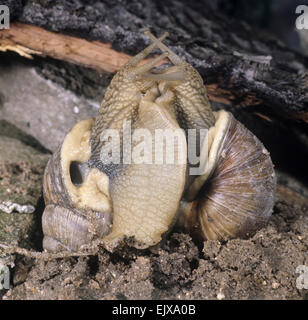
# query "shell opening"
(210, 152)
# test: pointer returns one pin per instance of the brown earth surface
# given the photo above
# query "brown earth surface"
(263, 267)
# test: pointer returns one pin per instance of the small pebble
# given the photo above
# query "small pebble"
(9, 207)
(220, 295)
(94, 284)
(76, 109)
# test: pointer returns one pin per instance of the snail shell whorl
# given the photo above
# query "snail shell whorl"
(238, 197)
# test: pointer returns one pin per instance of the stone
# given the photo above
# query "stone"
(38, 106)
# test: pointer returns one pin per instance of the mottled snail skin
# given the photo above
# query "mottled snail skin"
(232, 198)
(121, 101)
(146, 197)
(238, 197)
(191, 105)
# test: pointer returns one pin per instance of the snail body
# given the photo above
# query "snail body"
(88, 197)
(141, 209)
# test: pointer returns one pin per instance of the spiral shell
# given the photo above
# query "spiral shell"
(237, 196)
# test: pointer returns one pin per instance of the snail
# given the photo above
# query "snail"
(90, 197)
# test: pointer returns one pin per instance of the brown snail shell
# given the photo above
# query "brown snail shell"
(237, 197)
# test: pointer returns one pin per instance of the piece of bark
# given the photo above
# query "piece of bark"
(28, 40)
(254, 66)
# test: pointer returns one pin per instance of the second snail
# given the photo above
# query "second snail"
(89, 197)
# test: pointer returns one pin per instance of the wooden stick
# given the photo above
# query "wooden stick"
(27, 40)
(45, 256)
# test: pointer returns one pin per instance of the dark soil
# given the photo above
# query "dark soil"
(263, 267)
